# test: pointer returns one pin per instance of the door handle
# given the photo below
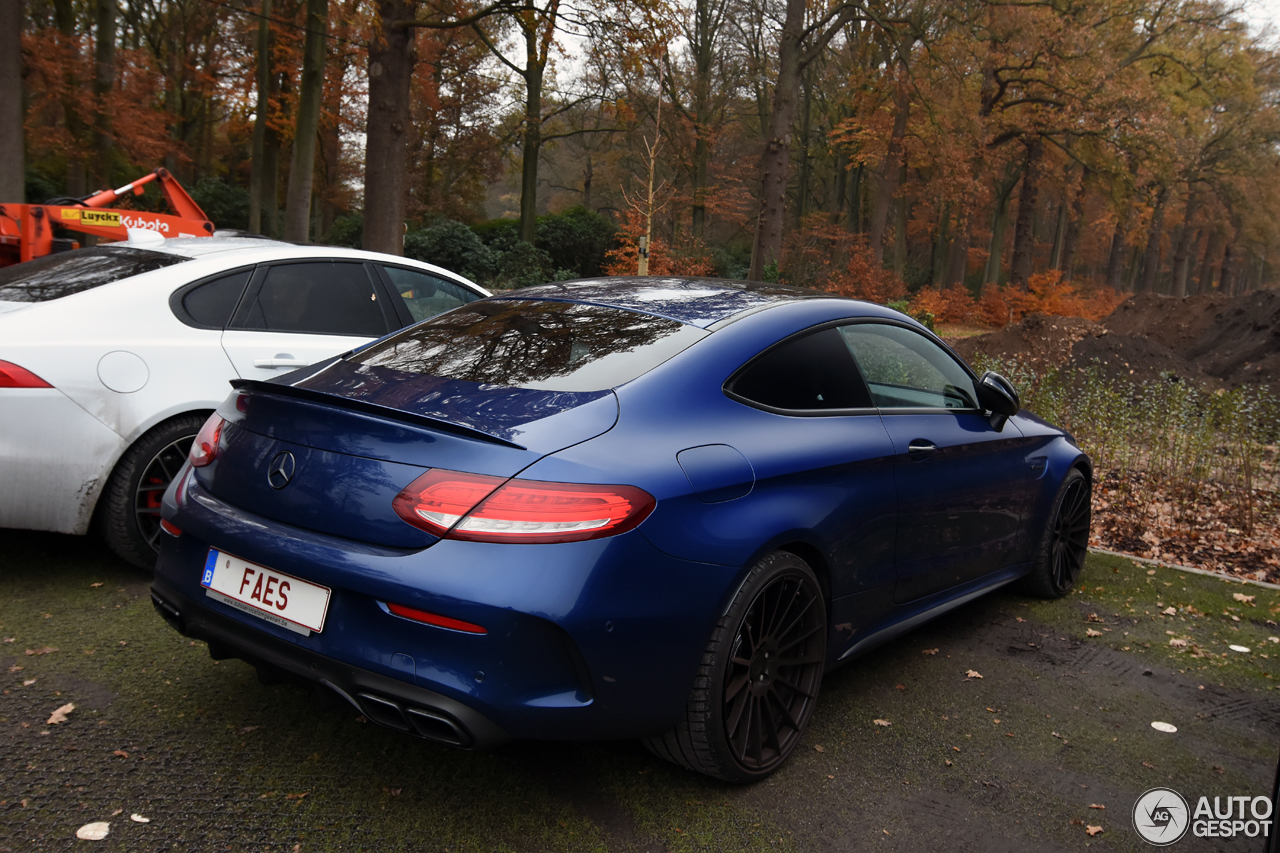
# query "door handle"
(281, 360)
(920, 449)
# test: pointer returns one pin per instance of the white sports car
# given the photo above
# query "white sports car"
(111, 358)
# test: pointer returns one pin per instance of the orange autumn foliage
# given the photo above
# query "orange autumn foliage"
(1046, 294)
(663, 258)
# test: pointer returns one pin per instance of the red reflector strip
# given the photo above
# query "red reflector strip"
(12, 376)
(435, 619)
(167, 527)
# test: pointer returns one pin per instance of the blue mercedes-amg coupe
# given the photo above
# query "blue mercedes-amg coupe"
(634, 507)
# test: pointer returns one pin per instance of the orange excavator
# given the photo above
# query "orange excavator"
(27, 230)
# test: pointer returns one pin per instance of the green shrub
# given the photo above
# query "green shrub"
(227, 206)
(347, 230)
(453, 246)
(576, 240)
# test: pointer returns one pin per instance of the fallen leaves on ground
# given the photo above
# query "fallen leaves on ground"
(1139, 515)
(1092, 633)
(973, 673)
(137, 818)
(95, 831)
(1093, 830)
(929, 651)
(121, 753)
(41, 651)
(60, 715)
(1096, 806)
(882, 722)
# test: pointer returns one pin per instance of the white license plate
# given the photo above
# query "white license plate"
(278, 598)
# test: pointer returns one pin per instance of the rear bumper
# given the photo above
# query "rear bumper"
(585, 640)
(54, 461)
(388, 701)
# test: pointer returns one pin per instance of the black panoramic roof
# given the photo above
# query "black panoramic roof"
(697, 302)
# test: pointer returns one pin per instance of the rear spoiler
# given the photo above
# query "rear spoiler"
(280, 390)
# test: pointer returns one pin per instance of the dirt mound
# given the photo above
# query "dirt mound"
(1213, 340)
(1137, 358)
(1038, 341)
(1235, 340)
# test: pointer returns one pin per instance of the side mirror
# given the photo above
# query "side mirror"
(998, 396)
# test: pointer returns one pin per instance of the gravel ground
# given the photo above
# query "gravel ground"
(1058, 723)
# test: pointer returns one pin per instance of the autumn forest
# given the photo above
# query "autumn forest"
(993, 154)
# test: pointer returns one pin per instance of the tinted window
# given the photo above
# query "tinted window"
(907, 370)
(426, 295)
(555, 346)
(212, 303)
(322, 298)
(806, 373)
(65, 273)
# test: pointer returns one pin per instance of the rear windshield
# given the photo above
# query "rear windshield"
(557, 346)
(56, 276)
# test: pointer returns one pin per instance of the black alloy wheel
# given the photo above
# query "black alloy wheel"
(758, 682)
(129, 511)
(1066, 539)
(774, 669)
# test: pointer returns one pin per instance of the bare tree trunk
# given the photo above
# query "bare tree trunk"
(776, 159)
(958, 262)
(103, 82)
(1071, 239)
(12, 168)
(1115, 260)
(1182, 247)
(391, 60)
(1226, 279)
(1211, 250)
(258, 161)
(1023, 238)
(939, 266)
(531, 148)
(901, 211)
(887, 179)
(1151, 257)
(302, 170)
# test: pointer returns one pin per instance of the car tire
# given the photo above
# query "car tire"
(1065, 542)
(129, 511)
(755, 691)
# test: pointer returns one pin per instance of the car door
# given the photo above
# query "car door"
(961, 484)
(298, 313)
(820, 456)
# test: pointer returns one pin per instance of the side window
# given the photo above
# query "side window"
(212, 303)
(813, 372)
(907, 370)
(427, 295)
(324, 298)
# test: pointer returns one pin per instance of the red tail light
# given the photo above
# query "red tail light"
(12, 376)
(487, 509)
(205, 448)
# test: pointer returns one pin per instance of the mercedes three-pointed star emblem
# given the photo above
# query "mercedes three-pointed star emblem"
(281, 469)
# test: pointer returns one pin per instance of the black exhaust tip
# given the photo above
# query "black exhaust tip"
(169, 613)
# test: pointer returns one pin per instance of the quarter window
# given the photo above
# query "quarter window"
(212, 303)
(427, 295)
(809, 373)
(906, 370)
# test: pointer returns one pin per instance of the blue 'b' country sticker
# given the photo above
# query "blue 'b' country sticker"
(209, 563)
